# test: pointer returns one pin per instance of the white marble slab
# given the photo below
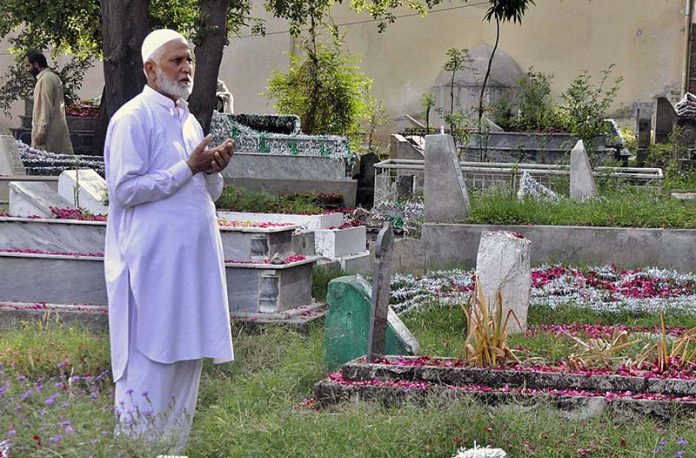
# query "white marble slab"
(336, 243)
(34, 199)
(306, 222)
(85, 189)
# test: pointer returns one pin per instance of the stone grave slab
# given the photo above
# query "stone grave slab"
(337, 243)
(347, 320)
(582, 185)
(247, 244)
(79, 279)
(269, 288)
(10, 160)
(90, 186)
(446, 197)
(503, 264)
(307, 222)
(34, 199)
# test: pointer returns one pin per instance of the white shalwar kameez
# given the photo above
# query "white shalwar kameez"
(164, 267)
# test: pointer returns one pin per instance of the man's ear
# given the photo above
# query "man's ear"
(149, 69)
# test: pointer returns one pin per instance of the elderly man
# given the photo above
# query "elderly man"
(49, 128)
(164, 263)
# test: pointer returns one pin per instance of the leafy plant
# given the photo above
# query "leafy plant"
(585, 106)
(427, 102)
(325, 88)
(503, 113)
(487, 331)
(537, 110)
(456, 58)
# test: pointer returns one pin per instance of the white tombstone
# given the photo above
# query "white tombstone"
(582, 185)
(503, 264)
(10, 161)
(89, 188)
(532, 188)
(28, 199)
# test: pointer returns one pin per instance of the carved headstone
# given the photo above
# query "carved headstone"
(446, 198)
(84, 188)
(29, 199)
(10, 161)
(381, 288)
(502, 264)
(582, 185)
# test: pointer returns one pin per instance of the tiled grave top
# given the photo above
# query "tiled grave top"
(252, 141)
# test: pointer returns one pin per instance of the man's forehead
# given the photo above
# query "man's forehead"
(176, 48)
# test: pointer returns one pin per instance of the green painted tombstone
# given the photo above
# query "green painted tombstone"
(347, 322)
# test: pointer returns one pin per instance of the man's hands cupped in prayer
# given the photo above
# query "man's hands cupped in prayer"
(210, 160)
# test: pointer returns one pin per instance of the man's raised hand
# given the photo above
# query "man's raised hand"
(210, 160)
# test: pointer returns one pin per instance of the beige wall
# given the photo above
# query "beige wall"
(644, 38)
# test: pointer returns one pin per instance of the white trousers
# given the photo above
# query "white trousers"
(154, 401)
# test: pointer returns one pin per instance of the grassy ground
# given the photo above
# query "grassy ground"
(622, 208)
(257, 405)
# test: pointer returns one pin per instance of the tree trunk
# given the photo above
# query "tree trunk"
(124, 26)
(208, 56)
(488, 73)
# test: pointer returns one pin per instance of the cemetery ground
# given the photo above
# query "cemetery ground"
(56, 389)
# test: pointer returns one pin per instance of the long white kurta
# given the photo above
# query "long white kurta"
(162, 240)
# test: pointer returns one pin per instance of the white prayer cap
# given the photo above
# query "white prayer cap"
(156, 39)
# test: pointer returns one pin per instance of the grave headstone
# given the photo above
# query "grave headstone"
(643, 129)
(532, 188)
(381, 288)
(10, 161)
(84, 188)
(29, 199)
(665, 119)
(582, 185)
(404, 187)
(503, 264)
(366, 181)
(347, 321)
(446, 197)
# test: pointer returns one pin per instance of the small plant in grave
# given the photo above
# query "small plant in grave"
(486, 340)
(683, 352)
(599, 352)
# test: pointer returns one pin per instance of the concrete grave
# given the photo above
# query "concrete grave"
(336, 243)
(503, 264)
(10, 161)
(89, 188)
(582, 185)
(269, 288)
(347, 320)
(34, 199)
(446, 198)
(79, 279)
(307, 222)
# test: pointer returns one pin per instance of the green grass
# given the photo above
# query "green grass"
(256, 405)
(619, 208)
(238, 199)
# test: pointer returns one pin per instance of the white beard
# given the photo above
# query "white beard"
(173, 88)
